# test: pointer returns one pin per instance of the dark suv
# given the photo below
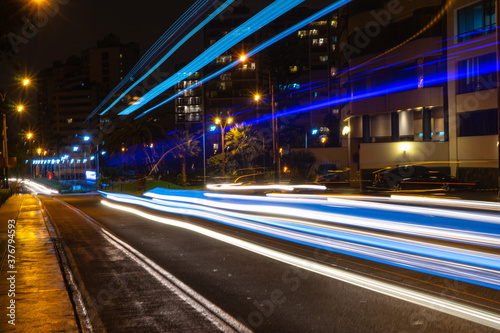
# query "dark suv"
(412, 177)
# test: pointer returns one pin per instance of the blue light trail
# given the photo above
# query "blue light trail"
(169, 36)
(256, 50)
(321, 222)
(264, 17)
(175, 48)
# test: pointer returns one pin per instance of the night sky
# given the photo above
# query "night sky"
(79, 24)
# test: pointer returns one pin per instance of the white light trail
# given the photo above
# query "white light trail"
(37, 188)
(420, 256)
(445, 306)
(241, 187)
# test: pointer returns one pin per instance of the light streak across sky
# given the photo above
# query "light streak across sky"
(168, 37)
(256, 50)
(319, 223)
(172, 51)
(446, 306)
(264, 17)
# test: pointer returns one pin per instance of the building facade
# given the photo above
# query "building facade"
(68, 92)
(421, 73)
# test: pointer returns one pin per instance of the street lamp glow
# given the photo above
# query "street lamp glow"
(29, 135)
(103, 152)
(217, 121)
(346, 130)
(229, 120)
(20, 108)
(243, 58)
(256, 97)
(92, 158)
(26, 82)
(405, 146)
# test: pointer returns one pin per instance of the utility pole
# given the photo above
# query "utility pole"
(5, 151)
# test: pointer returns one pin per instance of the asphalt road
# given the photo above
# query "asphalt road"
(263, 294)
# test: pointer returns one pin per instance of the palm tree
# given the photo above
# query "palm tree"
(186, 145)
(242, 143)
(134, 135)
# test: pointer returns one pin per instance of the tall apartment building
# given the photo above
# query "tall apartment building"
(237, 86)
(305, 63)
(188, 106)
(421, 84)
(299, 69)
(68, 92)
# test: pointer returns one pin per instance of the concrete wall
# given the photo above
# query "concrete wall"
(338, 156)
(478, 151)
(381, 155)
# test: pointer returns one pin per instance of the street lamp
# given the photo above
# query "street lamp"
(223, 125)
(29, 136)
(4, 110)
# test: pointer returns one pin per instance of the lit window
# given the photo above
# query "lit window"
(476, 18)
(69, 120)
(313, 32)
(224, 59)
(323, 58)
(294, 69)
(302, 33)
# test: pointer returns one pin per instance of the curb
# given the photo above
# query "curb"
(64, 257)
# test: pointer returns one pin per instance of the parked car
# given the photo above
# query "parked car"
(414, 177)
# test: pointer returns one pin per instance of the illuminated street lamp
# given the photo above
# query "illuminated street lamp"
(3, 98)
(223, 125)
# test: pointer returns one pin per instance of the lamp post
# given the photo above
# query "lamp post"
(274, 123)
(4, 109)
(29, 136)
(223, 125)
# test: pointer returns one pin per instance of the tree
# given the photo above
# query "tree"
(186, 145)
(136, 136)
(243, 144)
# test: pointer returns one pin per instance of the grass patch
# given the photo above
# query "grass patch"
(53, 184)
(131, 187)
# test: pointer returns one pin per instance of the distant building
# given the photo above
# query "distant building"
(237, 86)
(68, 92)
(188, 106)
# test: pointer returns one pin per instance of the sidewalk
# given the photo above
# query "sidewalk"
(33, 294)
